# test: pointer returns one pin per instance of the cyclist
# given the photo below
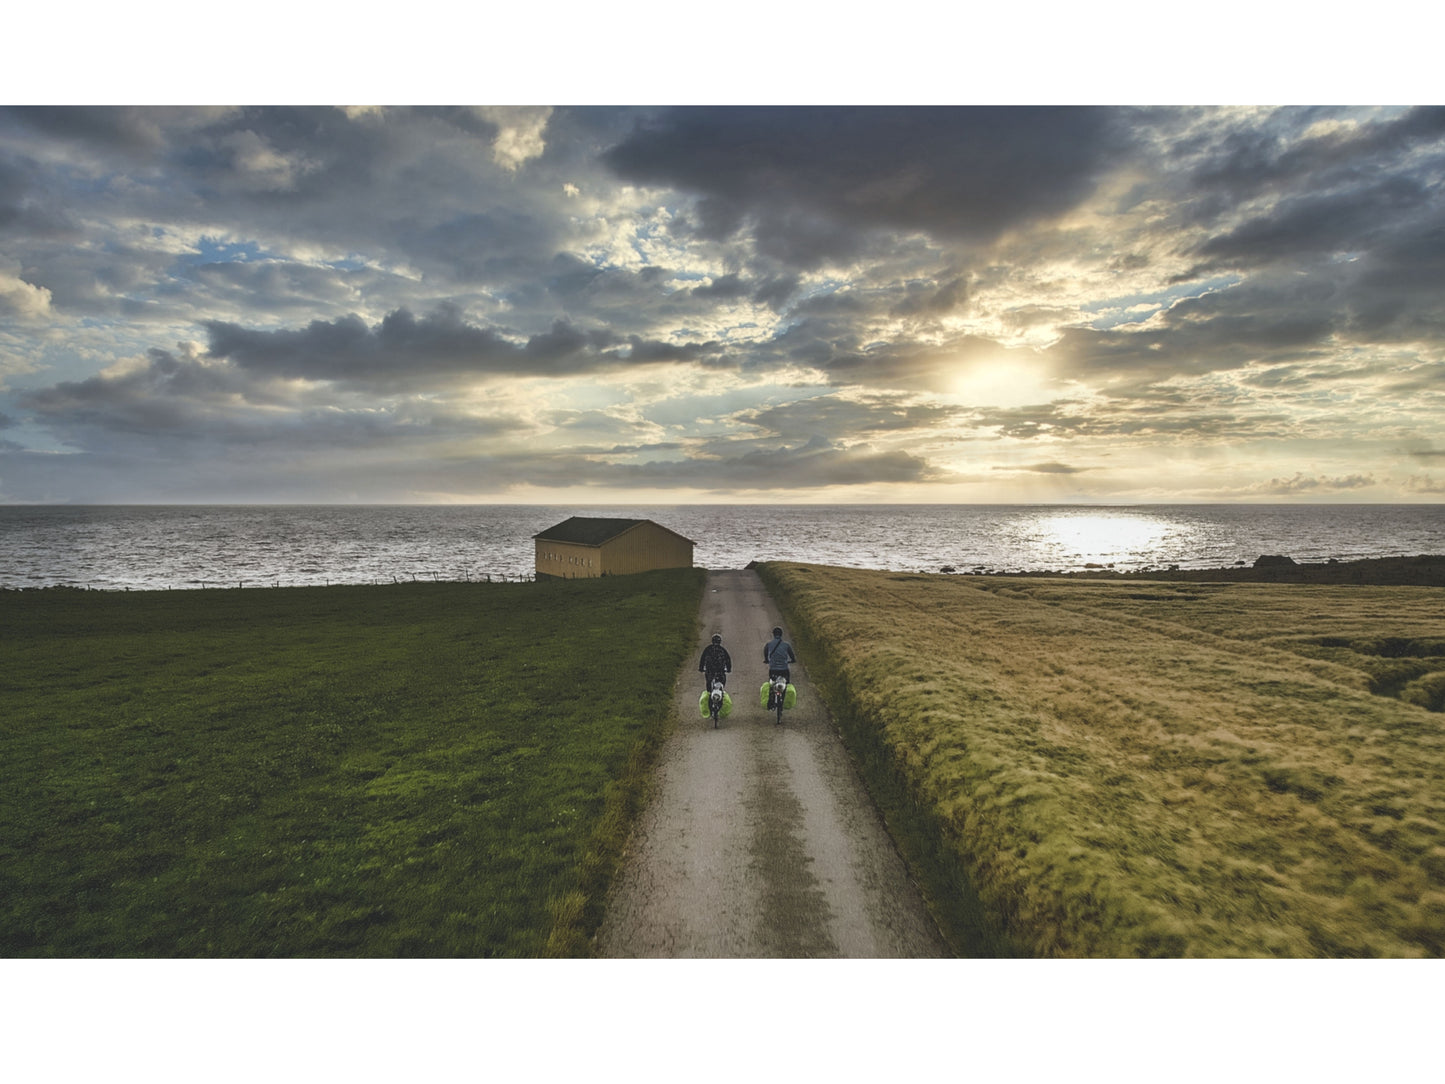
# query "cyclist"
(715, 664)
(778, 653)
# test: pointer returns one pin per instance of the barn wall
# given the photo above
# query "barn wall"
(567, 560)
(645, 547)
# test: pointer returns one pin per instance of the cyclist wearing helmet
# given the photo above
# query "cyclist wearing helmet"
(715, 664)
(778, 653)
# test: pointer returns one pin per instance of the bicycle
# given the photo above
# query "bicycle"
(715, 699)
(779, 696)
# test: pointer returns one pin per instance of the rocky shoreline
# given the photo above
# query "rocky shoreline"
(1426, 570)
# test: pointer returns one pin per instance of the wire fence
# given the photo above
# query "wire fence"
(270, 582)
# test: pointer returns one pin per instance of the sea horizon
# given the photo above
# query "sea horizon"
(139, 546)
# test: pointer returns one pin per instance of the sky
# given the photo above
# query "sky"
(1015, 301)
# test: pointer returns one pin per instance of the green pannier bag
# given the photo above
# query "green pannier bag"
(790, 698)
(706, 711)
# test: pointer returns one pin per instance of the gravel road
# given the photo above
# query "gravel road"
(759, 840)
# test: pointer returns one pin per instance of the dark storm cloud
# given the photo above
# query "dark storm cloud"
(1351, 208)
(932, 298)
(642, 351)
(493, 245)
(806, 179)
(117, 127)
(1269, 319)
(829, 335)
(1313, 225)
(166, 394)
(1399, 292)
(1281, 154)
(577, 283)
(172, 399)
(19, 190)
(406, 351)
(34, 208)
(775, 290)
(624, 297)
(726, 288)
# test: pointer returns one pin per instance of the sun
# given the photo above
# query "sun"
(1002, 380)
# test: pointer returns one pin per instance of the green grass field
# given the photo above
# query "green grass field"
(412, 770)
(1123, 768)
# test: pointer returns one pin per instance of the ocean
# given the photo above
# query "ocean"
(188, 546)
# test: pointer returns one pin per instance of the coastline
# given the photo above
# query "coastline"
(1425, 570)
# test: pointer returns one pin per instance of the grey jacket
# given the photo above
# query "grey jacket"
(777, 653)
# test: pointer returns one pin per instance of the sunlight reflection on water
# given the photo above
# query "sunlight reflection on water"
(1103, 538)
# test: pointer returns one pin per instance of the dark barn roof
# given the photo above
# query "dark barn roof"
(587, 531)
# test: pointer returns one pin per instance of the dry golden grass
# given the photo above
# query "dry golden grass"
(1135, 768)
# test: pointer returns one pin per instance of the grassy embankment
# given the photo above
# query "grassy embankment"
(414, 770)
(1118, 768)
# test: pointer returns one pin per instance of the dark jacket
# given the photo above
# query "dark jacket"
(715, 658)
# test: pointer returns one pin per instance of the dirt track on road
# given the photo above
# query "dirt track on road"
(759, 840)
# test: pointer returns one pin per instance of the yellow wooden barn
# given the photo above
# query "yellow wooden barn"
(585, 546)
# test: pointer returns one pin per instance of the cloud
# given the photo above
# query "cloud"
(1302, 483)
(133, 130)
(1318, 225)
(257, 166)
(437, 349)
(1297, 148)
(725, 468)
(708, 299)
(520, 132)
(168, 398)
(806, 181)
(1045, 468)
(1195, 413)
(1424, 486)
(374, 458)
(1268, 319)
(19, 300)
(1341, 201)
(840, 417)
